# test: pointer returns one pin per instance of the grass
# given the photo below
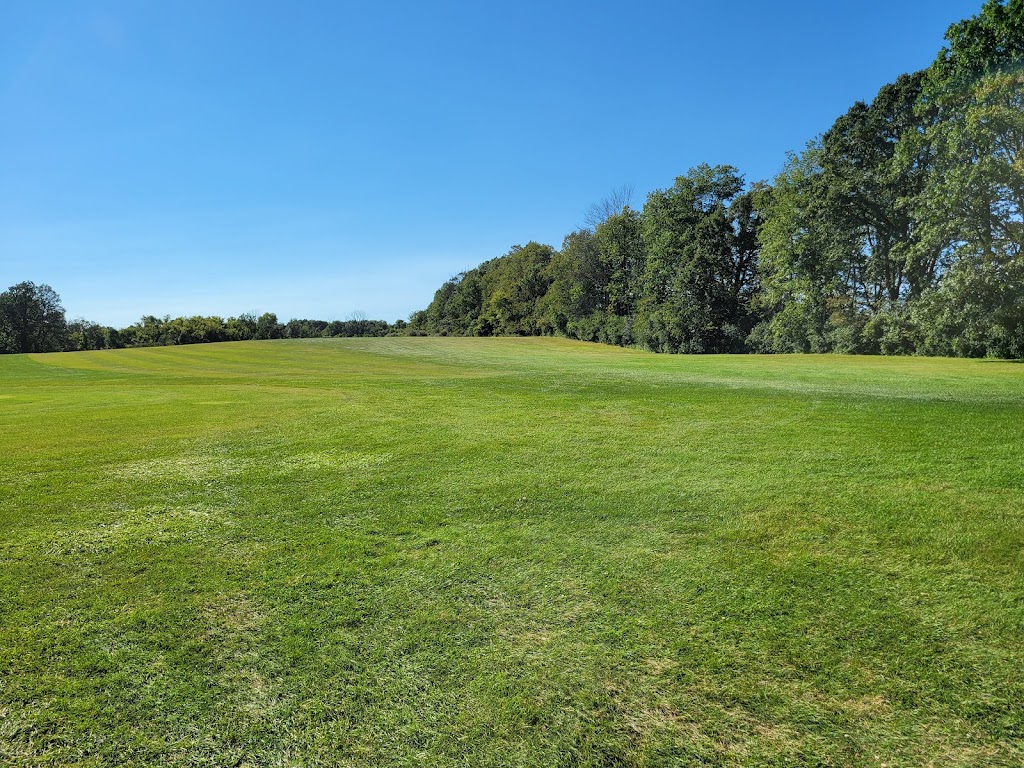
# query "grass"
(510, 552)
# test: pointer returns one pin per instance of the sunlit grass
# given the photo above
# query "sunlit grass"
(471, 552)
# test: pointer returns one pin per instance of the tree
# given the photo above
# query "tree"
(512, 289)
(747, 213)
(150, 331)
(977, 88)
(976, 311)
(611, 204)
(799, 273)
(243, 327)
(976, 193)
(456, 306)
(688, 304)
(84, 334)
(899, 230)
(574, 295)
(31, 319)
(870, 195)
(970, 209)
(620, 250)
(195, 330)
(267, 327)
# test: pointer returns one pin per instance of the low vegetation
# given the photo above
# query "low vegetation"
(495, 552)
(32, 319)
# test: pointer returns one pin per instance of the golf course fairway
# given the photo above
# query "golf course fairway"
(509, 552)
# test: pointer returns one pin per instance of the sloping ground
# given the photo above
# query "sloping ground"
(509, 552)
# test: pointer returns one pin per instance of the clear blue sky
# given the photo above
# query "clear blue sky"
(319, 158)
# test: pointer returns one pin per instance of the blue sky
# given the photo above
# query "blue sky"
(315, 159)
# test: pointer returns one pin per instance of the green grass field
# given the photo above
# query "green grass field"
(509, 552)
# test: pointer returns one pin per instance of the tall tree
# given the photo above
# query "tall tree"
(800, 269)
(620, 253)
(977, 87)
(31, 319)
(512, 289)
(747, 214)
(687, 303)
(576, 288)
(973, 203)
(871, 195)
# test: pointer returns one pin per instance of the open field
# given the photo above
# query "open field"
(509, 552)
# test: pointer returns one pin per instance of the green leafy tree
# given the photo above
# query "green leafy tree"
(195, 330)
(572, 304)
(747, 214)
(687, 304)
(977, 311)
(243, 327)
(870, 196)
(84, 334)
(620, 252)
(512, 289)
(799, 265)
(899, 230)
(31, 319)
(150, 331)
(457, 305)
(973, 90)
(970, 210)
(976, 198)
(267, 327)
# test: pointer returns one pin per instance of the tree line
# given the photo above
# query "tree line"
(897, 231)
(32, 319)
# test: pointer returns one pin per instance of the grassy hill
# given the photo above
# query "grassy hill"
(509, 552)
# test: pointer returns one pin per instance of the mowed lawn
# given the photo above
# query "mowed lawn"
(509, 552)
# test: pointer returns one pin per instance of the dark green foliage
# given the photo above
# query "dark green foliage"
(84, 334)
(512, 289)
(500, 297)
(595, 281)
(842, 243)
(574, 303)
(45, 329)
(622, 257)
(977, 311)
(456, 306)
(899, 231)
(267, 327)
(696, 273)
(31, 319)
(991, 42)
(678, 277)
(866, 197)
(349, 328)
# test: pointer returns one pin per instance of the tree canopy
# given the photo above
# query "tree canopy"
(31, 319)
(899, 230)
